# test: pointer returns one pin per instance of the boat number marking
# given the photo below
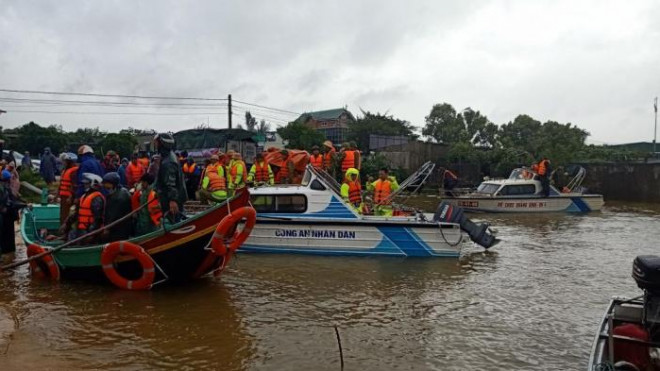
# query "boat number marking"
(468, 203)
(310, 233)
(184, 230)
(527, 205)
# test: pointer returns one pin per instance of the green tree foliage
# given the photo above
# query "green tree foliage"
(263, 127)
(378, 124)
(445, 125)
(34, 138)
(250, 122)
(300, 136)
(123, 144)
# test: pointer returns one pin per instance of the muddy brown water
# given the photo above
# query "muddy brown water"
(533, 302)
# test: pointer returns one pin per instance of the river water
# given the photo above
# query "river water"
(533, 302)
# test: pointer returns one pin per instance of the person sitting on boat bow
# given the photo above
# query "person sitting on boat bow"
(118, 205)
(169, 184)
(261, 172)
(382, 188)
(351, 189)
(90, 211)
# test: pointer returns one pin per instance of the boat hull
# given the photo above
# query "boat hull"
(354, 237)
(178, 251)
(572, 204)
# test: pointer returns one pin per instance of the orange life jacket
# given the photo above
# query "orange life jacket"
(216, 182)
(189, 169)
(450, 174)
(283, 174)
(155, 213)
(234, 171)
(134, 172)
(354, 189)
(316, 161)
(144, 161)
(327, 159)
(348, 161)
(261, 173)
(382, 191)
(212, 167)
(135, 200)
(66, 182)
(85, 214)
(543, 167)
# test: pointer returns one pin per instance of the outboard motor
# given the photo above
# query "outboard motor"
(646, 272)
(478, 233)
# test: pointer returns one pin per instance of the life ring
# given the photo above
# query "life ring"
(45, 266)
(228, 225)
(112, 250)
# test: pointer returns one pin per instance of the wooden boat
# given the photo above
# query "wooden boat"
(627, 336)
(177, 252)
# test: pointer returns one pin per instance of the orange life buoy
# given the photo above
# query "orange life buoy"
(45, 266)
(112, 250)
(228, 225)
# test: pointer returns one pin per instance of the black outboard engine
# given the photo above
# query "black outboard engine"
(478, 233)
(646, 272)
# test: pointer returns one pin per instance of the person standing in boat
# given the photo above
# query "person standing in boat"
(285, 174)
(149, 218)
(237, 173)
(261, 172)
(117, 205)
(68, 185)
(169, 185)
(544, 171)
(316, 159)
(214, 184)
(191, 173)
(134, 171)
(449, 181)
(329, 154)
(350, 157)
(8, 215)
(351, 189)
(90, 212)
(382, 188)
(88, 165)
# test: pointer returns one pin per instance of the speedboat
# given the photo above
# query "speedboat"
(522, 192)
(312, 218)
(627, 336)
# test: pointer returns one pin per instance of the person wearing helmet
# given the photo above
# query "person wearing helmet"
(88, 165)
(8, 215)
(351, 189)
(117, 205)
(90, 212)
(67, 189)
(170, 185)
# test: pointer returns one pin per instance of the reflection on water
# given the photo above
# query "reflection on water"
(531, 303)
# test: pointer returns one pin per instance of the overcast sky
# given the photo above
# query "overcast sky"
(593, 63)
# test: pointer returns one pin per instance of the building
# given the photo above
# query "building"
(332, 123)
(202, 140)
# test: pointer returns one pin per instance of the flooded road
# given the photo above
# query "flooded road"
(533, 302)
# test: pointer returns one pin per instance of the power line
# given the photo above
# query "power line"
(106, 95)
(104, 103)
(263, 111)
(121, 113)
(270, 108)
(264, 117)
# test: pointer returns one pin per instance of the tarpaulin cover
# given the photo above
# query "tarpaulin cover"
(300, 158)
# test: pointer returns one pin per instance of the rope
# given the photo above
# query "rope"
(69, 243)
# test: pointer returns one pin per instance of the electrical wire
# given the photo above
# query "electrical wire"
(260, 106)
(121, 113)
(106, 95)
(103, 103)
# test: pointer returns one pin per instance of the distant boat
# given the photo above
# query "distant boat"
(522, 193)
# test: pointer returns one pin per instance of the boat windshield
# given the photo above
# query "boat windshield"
(488, 188)
(523, 173)
(306, 178)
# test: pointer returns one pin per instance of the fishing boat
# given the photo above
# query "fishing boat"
(201, 243)
(627, 336)
(312, 218)
(522, 192)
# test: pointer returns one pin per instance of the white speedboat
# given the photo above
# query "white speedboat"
(522, 193)
(312, 218)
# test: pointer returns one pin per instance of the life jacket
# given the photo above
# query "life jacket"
(382, 191)
(283, 174)
(543, 167)
(348, 161)
(216, 182)
(66, 182)
(135, 200)
(261, 173)
(354, 189)
(234, 171)
(212, 167)
(134, 172)
(144, 161)
(327, 159)
(316, 161)
(189, 169)
(85, 213)
(450, 174)
(155, 213)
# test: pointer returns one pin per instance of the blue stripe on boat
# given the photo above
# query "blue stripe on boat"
(580, 204)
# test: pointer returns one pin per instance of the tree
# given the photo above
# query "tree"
(523, 133)
(300, 136)
(250, 122)
(263, 127)
(444, 125)
(378, 124)
(123, 144)
(34, 138)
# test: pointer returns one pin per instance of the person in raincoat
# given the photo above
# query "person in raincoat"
(170, 185)
(48, 166)
(351, 189)
(382, 188)
(149, 218)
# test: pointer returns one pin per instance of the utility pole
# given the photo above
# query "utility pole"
(655, 128)
(229, 110)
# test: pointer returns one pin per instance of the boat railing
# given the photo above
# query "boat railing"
(414, 181)
(575, 185)
(326, 178)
